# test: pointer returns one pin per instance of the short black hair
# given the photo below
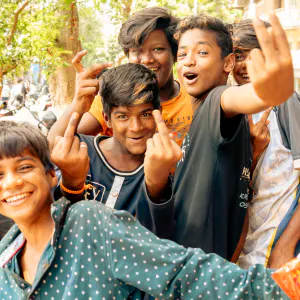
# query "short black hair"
(137, 28)
(128, 85)
(220, 29)
(244, 35)
(15, 138)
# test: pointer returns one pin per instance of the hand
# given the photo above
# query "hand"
(271, 69)
(260, 135)
(161, 157)
(280, 256)
(71, 156)
(87, 86)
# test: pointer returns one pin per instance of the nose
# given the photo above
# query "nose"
(189, 60)
(10, 181)
(146, 58)
(135, 125)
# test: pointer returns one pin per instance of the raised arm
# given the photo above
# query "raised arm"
(87, 87)
(270, 71)
(71, 157)
(166, 270)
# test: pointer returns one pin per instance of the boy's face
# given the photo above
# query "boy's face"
(199, 63)
(25, 187)
(132, 126)
(155, 54)
(239, 72)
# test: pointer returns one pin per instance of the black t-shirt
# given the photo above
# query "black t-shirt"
(210, 190)
(116, 189)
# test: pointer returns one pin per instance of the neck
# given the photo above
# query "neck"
(118, 157)
(169, 90)
(196, 101)
(39, 231)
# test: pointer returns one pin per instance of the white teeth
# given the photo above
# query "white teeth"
(153, 69)
(16, 198)
(245, 76)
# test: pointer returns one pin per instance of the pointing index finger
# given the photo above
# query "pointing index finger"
(76, 61)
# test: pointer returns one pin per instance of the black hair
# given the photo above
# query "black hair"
(137, 28)
(128, 85)
(244, 36)
(15, 138)
(220, 29)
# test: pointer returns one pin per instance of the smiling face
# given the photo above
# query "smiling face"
(239, 72)
(200, 65)
(132, 127)
(156, 54)
(25, 187)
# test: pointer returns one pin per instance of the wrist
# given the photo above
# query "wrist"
(79, 107)
(74, 185)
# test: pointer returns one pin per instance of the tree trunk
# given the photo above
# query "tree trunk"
(62, 82)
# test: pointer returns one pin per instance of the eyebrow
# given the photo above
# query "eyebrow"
(125, 112)
(198, 43)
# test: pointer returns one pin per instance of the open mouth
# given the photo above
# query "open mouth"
(16, 198)
(245, 76)
(191, 77)
(154, 69)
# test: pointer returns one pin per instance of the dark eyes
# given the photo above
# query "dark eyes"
(25, 168)
(239, 57)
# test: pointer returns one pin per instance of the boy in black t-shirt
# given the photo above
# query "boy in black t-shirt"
(114, 166)
(209, 198)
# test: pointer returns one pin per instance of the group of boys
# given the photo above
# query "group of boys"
(149, 115)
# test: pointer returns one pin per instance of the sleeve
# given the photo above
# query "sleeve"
(158, 218)
(222, 130)
(289, 125)
(166, 270)
(96, 110)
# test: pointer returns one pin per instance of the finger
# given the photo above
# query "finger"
(75, 144)
(57, 141)
(83, 149)
(250, 120)
(93, 71)
(257, 60)
(150, 146)
(265, 40)
(264, 117)
(88, 91)
(89, 83)
(76, 61)
(162, 128)
(70, 132)
(157, 142)
(280, 39)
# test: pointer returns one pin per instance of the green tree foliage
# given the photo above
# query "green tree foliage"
(29, 30)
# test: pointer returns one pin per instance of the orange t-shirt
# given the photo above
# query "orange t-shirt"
(177, 113)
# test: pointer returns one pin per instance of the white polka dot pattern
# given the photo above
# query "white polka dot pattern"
(99, 253)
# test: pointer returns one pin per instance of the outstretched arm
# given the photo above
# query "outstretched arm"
(270, 71)
(166, 270)
(87, 87)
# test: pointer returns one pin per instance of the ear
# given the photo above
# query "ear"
(107, 119)
(52, 178)
(229, 63)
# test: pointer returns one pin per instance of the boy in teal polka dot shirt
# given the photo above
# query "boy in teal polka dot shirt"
(89, 251)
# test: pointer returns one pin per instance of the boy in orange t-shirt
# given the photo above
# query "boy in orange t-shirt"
(156, 49)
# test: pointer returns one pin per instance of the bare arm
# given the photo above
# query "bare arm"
(271, 74)
(86, 89)
(285, 247)
(89, 125)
